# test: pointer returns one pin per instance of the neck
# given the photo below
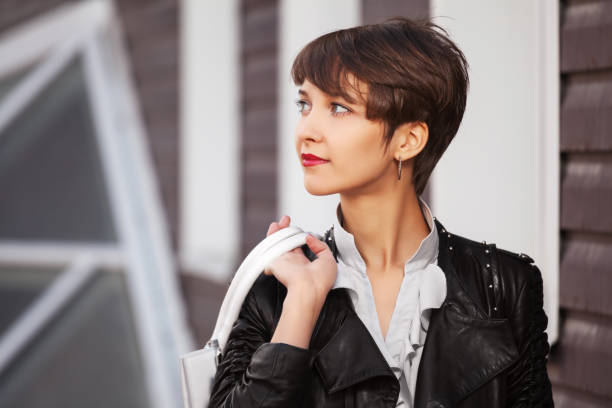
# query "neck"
(387, 228)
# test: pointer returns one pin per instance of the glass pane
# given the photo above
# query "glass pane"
(19, 286)
(9, 81)
(86, 357)
(51, 175)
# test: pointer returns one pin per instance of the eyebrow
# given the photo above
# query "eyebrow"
(303, 92)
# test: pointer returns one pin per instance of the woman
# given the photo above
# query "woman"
(391, 309)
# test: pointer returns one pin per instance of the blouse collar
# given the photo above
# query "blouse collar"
(431, 280)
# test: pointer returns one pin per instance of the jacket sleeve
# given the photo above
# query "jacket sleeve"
(528, 382)
(254, 372)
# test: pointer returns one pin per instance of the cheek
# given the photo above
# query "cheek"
(361, 151)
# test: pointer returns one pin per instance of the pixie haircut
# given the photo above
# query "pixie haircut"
(413, 71)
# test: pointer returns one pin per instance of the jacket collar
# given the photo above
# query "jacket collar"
(350, 355)
(346, 354)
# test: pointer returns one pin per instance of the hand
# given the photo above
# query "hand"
(295, 271)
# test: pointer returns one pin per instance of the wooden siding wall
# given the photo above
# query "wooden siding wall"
(580, 364)
(259, 54)
(151, 35)
(376, 11)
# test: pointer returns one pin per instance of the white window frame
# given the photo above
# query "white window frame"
(50, 41)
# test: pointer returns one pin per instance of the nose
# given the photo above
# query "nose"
(308, 129)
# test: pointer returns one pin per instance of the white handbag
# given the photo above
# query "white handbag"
(198, 367)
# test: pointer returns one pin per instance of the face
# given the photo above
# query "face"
(338, 131)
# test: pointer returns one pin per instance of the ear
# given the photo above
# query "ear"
(411, 139)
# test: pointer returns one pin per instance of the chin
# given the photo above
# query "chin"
(318, 188)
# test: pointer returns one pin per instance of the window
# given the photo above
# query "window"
(90, 309)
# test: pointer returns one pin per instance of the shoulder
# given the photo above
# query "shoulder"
(517, 270)
(516, 265)
(513, 265)
(521, 281)
(510, 273)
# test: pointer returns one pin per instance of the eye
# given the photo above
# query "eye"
(301, 104)
(343, 110)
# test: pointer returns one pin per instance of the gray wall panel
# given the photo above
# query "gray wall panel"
(259, 24)
(585, 273)
(585, 33)
(586, 112)
(586, 192)
(583, 358)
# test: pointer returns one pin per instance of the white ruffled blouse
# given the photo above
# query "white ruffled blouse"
(423, 288)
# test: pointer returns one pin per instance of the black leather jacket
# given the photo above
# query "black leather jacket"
(485, 347)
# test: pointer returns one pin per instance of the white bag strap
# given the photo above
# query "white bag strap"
(259, 249)
(266, 251)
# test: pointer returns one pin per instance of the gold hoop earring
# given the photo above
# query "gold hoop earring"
(399, 170)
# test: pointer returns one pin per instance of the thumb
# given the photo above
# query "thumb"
(316, 245)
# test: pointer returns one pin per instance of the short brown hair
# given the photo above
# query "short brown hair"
(414, 72)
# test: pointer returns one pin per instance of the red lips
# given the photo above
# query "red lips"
(312, 160)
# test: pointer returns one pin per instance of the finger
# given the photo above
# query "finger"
(272, 228)
(284, 221)
(317, 246)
